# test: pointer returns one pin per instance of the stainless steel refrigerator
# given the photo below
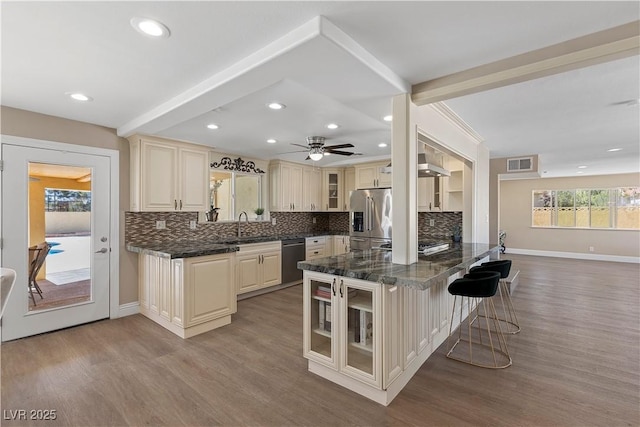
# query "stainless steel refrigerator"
(370, 218)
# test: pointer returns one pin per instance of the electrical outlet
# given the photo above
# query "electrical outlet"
(161, 225)
(432, 222)
(273, 221)
(591, 249)
(192, 225)
(314, 220)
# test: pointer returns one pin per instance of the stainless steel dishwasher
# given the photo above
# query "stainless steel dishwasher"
(293, 250)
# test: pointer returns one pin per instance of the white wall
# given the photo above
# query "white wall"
(515, 219)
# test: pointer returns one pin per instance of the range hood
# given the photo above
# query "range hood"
(425, 169)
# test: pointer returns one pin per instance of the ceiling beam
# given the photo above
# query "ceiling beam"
(608, 45)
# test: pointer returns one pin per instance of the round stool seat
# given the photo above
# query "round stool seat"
(476, 284)
(502, 266)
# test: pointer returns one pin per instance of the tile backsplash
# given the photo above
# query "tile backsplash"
(443, 223)
(140, 227)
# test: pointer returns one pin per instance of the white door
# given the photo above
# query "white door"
(23, 220)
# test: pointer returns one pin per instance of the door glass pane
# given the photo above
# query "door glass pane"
(333, 191)
(321, 317)
(359, 329)
(59, 253)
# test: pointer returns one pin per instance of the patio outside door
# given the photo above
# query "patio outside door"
(32, 177)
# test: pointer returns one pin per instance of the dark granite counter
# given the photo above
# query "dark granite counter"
(375, 265)
(193, 248)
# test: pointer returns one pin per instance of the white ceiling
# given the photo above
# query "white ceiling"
(225, 60)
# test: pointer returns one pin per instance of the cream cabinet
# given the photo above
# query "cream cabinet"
(188, 296)
(345, 323)
(368, 175)
(312, 189)
(316, 247)
(332, 189)
(285, 181)
(340, 245)
(349, 186)
(454, 186)
(168, 175)
(430, 194)
(258, 265)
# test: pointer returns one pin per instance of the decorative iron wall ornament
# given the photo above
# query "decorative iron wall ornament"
(236, 165)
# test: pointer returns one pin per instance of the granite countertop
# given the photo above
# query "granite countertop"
(375, 265)
(194, 248)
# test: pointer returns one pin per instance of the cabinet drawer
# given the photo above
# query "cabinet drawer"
(316, 252)
(259, 247)
(320, 240)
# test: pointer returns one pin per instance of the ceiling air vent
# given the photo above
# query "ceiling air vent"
(520, 164)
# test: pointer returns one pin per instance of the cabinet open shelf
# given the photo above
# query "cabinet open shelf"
(364, 347)
(361, 302)
(319, 298)
(322, 332)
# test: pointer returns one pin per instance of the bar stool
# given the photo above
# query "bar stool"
(477, 290)
(503, 267)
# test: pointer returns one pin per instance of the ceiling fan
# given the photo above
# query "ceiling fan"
(316, 148)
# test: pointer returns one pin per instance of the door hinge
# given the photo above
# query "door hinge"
(1, 165)
(1, 242)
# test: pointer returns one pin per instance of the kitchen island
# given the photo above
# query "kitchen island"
(370, 324)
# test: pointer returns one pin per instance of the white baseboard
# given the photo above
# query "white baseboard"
(129, 309)
(575, 255)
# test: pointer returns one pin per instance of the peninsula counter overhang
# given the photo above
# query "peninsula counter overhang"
(375, 265)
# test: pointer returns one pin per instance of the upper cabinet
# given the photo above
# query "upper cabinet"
(312, 189)
(285, 182)
(168, 175)
(368, 175)
(332, 190)
(349, 186)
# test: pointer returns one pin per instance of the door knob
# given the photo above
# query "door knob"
(102, 251)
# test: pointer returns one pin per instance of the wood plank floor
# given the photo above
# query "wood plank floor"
(576, 363)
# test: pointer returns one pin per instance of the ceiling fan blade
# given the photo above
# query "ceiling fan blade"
(299, 145)
(329, 147)
(342, 153)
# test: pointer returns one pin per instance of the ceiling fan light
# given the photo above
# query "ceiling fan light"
(315, 156)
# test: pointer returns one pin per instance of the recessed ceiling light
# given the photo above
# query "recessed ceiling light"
(276, 106)
(150, 27)
(387, 118)
(332, 126)
(326, 153)
(213, 126)
(271, 141)
(582, 167)
(77, 96)
(580, 172)
(614, 149)
(382, 145)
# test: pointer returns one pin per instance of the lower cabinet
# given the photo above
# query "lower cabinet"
(340, 245)
(258, 265)
(188, 296)
(369, 337)
(316, 247)
(345, 328)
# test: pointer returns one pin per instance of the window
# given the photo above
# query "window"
(615, 208)
(233, 192)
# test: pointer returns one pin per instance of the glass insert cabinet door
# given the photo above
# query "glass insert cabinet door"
(359, 325)
(320, 319)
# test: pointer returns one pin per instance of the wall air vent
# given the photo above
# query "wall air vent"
(520, 164)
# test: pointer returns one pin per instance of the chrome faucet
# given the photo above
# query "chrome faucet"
(239, 218)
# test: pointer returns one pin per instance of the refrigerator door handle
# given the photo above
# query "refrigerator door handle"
(372, 208)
